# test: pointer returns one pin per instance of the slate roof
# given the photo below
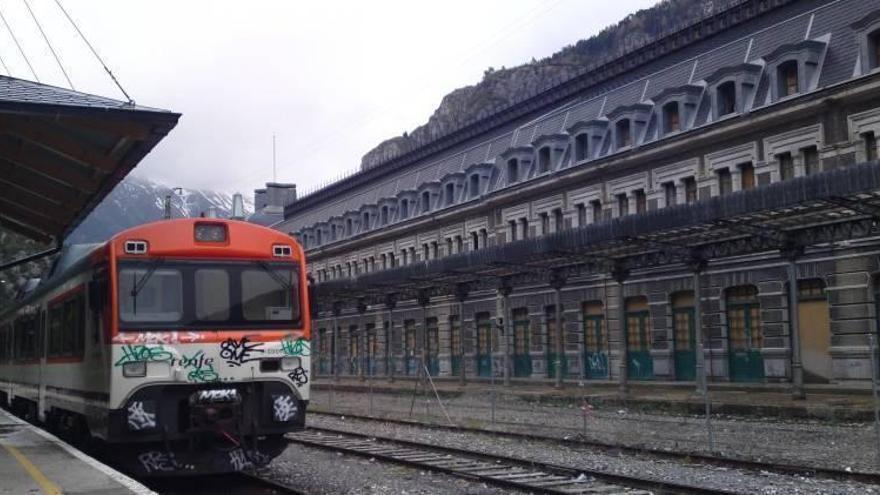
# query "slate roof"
(14, 91)
(805, 19)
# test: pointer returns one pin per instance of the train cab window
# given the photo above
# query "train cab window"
(147, 294)
(266, 295)
(212, 295)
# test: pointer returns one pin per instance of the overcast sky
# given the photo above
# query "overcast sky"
(331, 79)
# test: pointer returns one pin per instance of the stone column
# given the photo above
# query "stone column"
(362, 339)
(390, 303)
(792, 253)
(504, 290)
(557, 281)
(461, 293)
(620, 274)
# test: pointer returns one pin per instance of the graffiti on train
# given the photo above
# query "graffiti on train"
(139, 418)
(238, 352)
(299, 376)
(146, 353)
(165, 338)
(200, 368)
(283, 408)
(298, 347)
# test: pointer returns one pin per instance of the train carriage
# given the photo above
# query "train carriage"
(181, 344)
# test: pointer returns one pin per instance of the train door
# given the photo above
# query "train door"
(553, 359)
(455, 344)
(522, 360)
(637, 328)
(815, 330)
(745, 334)
(683, 337)
(484, 352)
(433, 343)
(409, 348)
(595, 341)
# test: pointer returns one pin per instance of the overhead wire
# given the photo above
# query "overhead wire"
(94, 52)
(5, 68)
(15, 39)
(46, 38)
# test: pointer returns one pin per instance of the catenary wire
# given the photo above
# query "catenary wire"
(5, 68)
(15, 39)
(51, 48)
(94, 52)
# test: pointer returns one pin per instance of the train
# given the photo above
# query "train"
(182, 346)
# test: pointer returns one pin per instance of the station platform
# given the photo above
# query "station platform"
(822, 402)
(33, 461)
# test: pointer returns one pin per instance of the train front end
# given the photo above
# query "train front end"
(209, 362)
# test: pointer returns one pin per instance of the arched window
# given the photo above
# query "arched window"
(512, 170)
(623, 133)
(474, 185)
(544, 159)
(671, 118)
(787, 78)
(726, 94)
(450, 194)
(582, 147)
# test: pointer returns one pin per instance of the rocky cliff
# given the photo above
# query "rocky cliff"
(505, 87)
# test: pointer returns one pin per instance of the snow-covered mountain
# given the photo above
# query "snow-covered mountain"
(137, 200)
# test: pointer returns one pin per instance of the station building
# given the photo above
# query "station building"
(565, 237)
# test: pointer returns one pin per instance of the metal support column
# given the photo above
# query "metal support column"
(797, 367)
(557, 281)
(505, 289)
(424, 299)
(700, 366)
(390, 303)
(461, 293)
(620, 274)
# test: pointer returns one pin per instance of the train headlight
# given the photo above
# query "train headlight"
(134, 369)
(290, 363)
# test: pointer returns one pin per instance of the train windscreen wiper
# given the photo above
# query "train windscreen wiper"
(138, 285)
(274, 274)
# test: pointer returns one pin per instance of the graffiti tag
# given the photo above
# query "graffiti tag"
(154, 461)
(157, 337)
(238, 352)
(283, 408)
(135, 353)
(299, 347)
(299, 376)
(201, 368)
(139, 418)
(239, 461)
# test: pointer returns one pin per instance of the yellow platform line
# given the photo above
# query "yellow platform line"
(48, 487)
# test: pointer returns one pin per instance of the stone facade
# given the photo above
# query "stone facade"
(787, 94)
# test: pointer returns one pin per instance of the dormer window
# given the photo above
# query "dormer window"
(874, 49)
(366, 221)
(450, 194)
(671, 118)
(544, 159)
(512, 170)
(348, 227)
(384, 215)
(474, 186)
(404, 209)
(787, 78)
(582, 147)
(426, 202)
(623, 133)
(319, 237)
(726, 98)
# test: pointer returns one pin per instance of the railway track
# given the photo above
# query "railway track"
(689, 457)
(233, 484)
(506, 472)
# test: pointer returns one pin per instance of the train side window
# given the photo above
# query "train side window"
(67, 328)
(56, 324)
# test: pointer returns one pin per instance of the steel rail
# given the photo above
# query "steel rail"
(498, 470)
(689, 457)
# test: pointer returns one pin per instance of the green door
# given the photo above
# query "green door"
(746, 338)
(522, 360)
(410, 361)
(684, 342)
(595, 355)
(640, 366)
(553, 359)
(484, 353)
(433, 342)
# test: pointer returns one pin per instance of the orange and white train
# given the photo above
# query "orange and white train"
(183, 345)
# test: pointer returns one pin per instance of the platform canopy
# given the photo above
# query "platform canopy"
(62, 152)
(836, 206)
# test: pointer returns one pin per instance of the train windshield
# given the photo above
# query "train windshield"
(160, 294)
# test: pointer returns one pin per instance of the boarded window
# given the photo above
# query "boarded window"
(512, 170)
(786, 166)
(544, 159)
(870, 146)
(787, 78)
(725, 182)
(624, 133)
(690, 190)
(582, 147)
(726, 98)
(811, 160)
(671, 118)
(669, 193)
(747, 175)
